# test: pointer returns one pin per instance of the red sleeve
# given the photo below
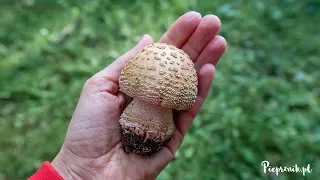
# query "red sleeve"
(46, 172)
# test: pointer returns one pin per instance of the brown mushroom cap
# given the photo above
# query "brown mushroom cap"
(161, 74)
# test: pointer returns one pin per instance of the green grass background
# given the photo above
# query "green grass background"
(263, 104)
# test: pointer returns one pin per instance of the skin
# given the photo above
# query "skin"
(93, 149)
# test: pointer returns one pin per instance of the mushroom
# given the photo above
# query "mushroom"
(159, 78)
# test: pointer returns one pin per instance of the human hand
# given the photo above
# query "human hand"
(93, 149)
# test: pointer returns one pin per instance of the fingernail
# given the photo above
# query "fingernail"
(141, 38)
(213, 67)
(197, 67)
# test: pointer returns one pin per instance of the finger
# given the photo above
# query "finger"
(184, 118)
(181, 29)
(212, 52)
(112, 72)
(124, 100)
(128, 100)
(206, 30)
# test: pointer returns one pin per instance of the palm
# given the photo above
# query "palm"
(99, 144)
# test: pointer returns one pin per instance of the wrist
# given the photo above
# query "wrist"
(65, 165)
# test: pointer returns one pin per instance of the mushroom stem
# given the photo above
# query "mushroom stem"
(145, 127)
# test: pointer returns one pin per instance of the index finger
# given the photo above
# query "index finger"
(180, 31)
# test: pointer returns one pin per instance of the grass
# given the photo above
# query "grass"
(264, 103)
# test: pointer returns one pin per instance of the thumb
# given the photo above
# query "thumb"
(113, 70)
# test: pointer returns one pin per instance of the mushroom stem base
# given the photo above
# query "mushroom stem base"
(136, 144)
(146, 128)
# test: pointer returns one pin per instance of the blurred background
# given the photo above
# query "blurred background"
(264, 103)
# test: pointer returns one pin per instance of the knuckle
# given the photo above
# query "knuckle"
(93, 81)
